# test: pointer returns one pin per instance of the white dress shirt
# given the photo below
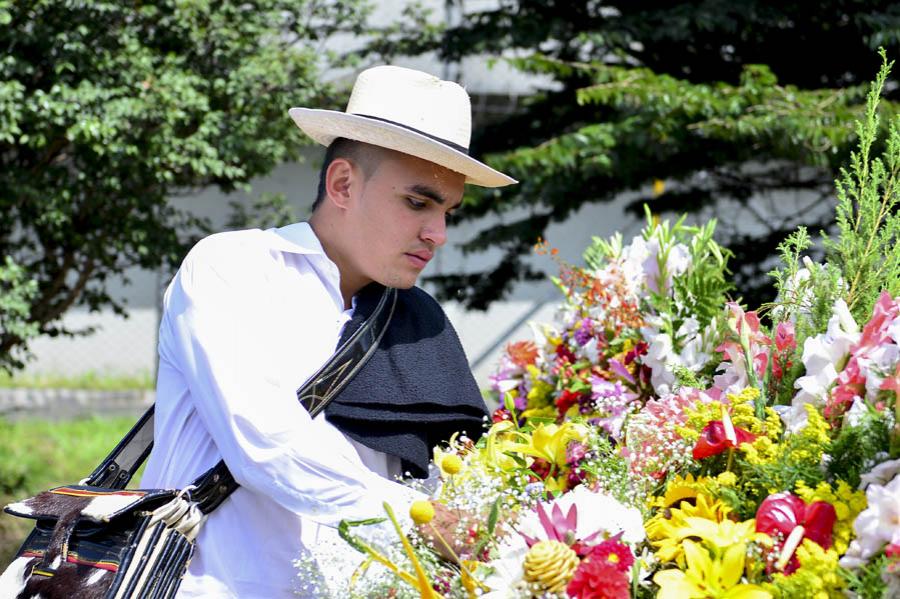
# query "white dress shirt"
(249, 316)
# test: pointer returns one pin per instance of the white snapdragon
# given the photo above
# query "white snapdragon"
(876, 526)
(822, 355)
(663, 358)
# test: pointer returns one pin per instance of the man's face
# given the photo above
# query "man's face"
(398, 219)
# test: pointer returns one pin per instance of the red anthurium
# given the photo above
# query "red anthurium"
(714, 439)
(787, 514)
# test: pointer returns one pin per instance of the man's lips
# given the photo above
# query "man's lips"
(421, 258)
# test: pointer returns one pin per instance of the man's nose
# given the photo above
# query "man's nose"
(435, 231)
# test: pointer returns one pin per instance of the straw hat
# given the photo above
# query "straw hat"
(408, 111)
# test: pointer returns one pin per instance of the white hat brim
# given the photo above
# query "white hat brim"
(324, 126)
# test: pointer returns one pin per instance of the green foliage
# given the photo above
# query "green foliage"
(806, 293)
(865, 250)
(700, 289)
(857, 449)
(717, 99)
(269, 210)
(866, 582)
(107, 109)
(85, 380)
(16, 294)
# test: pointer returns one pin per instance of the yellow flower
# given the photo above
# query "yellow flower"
(549, 565)
(817, 576)
(708, 576)
(421, 512)
(494, 455)
(548, 441)
(719, 535)
(449, 462)
(679, 489)
(539, 394)
(667, 533)
(847, 502)
(727, 479)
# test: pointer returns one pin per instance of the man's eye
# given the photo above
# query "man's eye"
(417, 204)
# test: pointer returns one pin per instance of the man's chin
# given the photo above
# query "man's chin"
(399, 281)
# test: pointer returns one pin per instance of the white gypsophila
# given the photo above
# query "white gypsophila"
(821, 356)
(877, 525)
(326, 570)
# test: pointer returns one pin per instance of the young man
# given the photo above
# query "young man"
(251, 315)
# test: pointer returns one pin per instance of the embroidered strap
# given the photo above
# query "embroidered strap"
(214, 485)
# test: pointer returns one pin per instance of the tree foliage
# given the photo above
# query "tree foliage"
(109, 108)
(722, 101)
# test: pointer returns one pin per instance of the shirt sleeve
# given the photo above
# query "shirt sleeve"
(216, 333)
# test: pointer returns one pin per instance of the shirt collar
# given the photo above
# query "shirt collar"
(298, 238)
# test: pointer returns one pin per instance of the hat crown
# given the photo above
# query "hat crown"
(413, 99)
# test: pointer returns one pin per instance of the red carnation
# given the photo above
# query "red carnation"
(597, 579)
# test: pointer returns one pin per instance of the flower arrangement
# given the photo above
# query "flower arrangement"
(659, 439)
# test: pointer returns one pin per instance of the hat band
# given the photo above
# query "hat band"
(446, 142)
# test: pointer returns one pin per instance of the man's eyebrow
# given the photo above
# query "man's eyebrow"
(430, 193)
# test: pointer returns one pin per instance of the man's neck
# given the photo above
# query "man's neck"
(327, 235)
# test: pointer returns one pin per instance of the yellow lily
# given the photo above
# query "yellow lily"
(549, 441)
(707, 577)
(494, 454)
(720, 535)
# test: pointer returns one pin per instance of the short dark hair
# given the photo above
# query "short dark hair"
(364, 155)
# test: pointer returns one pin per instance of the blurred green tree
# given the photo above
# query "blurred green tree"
(689, 105)
(108, 108)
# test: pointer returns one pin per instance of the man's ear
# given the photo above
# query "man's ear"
(339, 180)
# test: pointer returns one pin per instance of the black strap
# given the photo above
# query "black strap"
(217, 483)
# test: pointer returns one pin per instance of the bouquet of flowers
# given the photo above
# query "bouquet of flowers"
(659, 439)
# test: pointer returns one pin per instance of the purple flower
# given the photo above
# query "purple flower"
(583, 333)
(575, 452)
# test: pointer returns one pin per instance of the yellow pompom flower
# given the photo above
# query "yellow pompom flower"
(421, 512)
(549, 565)
(451, 464)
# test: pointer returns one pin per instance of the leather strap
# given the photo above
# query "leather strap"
(217, 483)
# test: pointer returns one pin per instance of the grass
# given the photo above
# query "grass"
(36, 455)
(85, 380)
